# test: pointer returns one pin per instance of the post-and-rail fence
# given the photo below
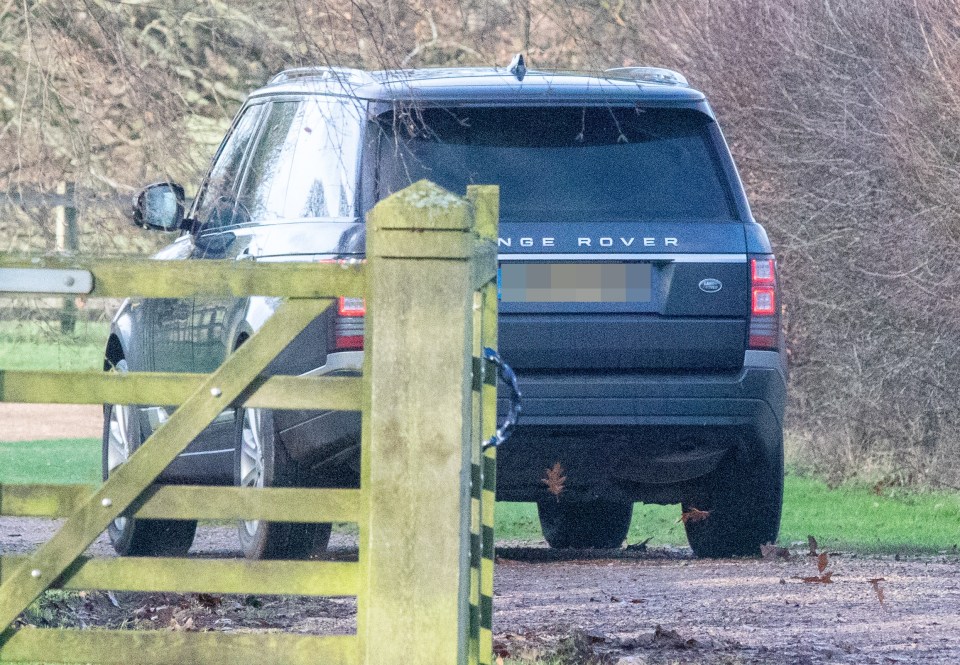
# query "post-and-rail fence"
(424, 509)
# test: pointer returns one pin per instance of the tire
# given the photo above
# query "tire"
(744, 497)
(130, 537)
(260, 460)
(594, 524)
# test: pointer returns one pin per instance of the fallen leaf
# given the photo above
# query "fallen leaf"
(822, 562)
(554, 480)
(875, 583)
(812, 544)
(694, 515)
(636, 601)
(187, 625)
(771, 552)
(499, 660)
(819, 579)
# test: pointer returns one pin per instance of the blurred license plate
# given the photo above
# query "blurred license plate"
(575, 282)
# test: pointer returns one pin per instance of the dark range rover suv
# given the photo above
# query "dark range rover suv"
(639, 300)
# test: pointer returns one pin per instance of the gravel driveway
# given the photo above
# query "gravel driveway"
(640, 606)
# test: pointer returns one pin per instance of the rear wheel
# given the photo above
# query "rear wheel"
(744, 497)
(131, 537)
(262, 461)
(595, 524)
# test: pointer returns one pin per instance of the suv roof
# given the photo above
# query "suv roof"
(486, 84)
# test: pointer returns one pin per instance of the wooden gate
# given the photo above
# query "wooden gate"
(424, 579)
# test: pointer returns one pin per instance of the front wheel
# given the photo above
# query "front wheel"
(743, 498)
(131, 537)
(261, 460)
(587, 524)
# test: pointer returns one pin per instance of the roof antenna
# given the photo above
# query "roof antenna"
(517, 67)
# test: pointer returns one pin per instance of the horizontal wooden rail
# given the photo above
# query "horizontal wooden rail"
(175, 575)
(341, 393)
(275, 504)
(162, 647)
(42, 500)
(146, 278)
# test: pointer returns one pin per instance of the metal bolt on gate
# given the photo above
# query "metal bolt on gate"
(424, 579)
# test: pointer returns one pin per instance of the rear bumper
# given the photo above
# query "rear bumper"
(640, 436)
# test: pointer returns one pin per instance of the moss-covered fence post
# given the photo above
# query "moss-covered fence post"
(417, 423)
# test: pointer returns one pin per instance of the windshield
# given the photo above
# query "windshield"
(564, 164)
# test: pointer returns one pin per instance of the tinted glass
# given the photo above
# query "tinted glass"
(216, 198)
(304, 166)
(562, 164)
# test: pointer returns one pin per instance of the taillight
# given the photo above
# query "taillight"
(348, 327)
(351, 306)
(764, 308)
(348, 324)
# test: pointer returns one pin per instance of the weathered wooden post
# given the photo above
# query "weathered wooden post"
(418, 434)
(67, 240)
(485, 200)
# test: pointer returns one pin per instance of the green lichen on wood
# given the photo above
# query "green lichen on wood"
(422, 206)
(429, 251)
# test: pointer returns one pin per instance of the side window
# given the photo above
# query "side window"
(324, 182)
(305, 164)
(215, 201)
(270, 165)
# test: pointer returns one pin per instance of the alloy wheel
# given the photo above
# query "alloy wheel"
(251, 458)
(119, 443)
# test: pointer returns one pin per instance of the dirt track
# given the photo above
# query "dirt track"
(658, 606)
(39, 422)
(740, 611)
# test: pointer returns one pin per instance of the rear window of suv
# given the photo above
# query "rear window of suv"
(562, 164)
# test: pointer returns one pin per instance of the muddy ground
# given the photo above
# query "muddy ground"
(634, 606)
(631, 606)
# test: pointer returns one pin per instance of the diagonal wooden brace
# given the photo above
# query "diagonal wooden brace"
(134, 477)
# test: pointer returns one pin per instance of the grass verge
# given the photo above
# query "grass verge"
(28, 345)
(60, 461)
(850, 517)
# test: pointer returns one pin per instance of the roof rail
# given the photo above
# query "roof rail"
(649, 75)
(342, 74)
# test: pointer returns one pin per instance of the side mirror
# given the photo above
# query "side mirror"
(159, 206)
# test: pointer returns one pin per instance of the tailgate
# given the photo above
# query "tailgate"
(623, 296)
